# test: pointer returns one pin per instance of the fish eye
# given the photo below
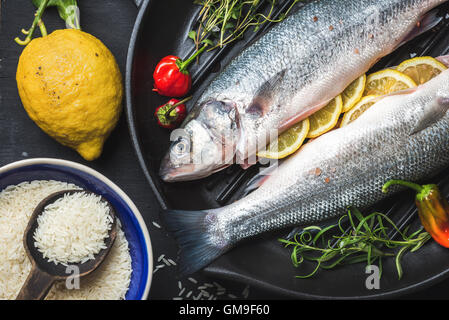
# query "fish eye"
(182, 146)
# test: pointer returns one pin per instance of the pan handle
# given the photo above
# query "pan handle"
(138, 3)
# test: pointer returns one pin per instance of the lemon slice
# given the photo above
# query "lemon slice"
(421, 69)
(358, 109)
(325, 119)
(288, 142)
(353, 93)
(387, 81)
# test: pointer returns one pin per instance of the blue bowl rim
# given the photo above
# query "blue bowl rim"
(112, 185)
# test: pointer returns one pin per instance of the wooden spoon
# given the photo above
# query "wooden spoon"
(43, 273)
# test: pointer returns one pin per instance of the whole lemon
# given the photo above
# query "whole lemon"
(71, 86)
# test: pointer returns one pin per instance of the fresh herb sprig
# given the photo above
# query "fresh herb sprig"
(366, 240)
(224, 21)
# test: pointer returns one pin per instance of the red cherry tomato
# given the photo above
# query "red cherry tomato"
(171, 76)
(170, 79)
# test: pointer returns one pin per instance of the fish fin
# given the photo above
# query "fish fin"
(263, 98)
(433, 112)
(290, 122)
(259, 179)
(190, 230)
(427, 22)
(397, 93)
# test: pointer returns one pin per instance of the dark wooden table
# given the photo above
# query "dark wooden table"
(112, 22)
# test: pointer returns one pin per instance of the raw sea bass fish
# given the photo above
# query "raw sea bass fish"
(404, 136)
(291, 72)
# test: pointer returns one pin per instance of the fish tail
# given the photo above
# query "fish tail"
(191, 230)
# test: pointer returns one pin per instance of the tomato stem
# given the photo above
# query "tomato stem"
(182, 101)
(177, 104)
(184, 64)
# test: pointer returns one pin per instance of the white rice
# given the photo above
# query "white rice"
(110, 281)
(73, 229)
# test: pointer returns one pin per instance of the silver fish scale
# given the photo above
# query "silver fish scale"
(309, 59)
(347, 166)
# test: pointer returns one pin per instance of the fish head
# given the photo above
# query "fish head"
(205, 144)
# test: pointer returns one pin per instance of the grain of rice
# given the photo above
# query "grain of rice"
(171, 262)
(158, 267)
(193, 280)
(205, 293)
(156, 225)
(109, 282)
(166, 262)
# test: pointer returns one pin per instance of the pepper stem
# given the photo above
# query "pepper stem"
(177, 104)
(36, 22)
(418, 188)
(182, 65)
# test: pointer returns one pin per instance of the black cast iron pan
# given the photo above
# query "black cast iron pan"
(161, 29)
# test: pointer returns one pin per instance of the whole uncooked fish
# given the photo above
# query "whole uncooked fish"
(404, 136)
(291, 72)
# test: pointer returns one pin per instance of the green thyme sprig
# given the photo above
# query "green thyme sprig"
(365, 241)
(224, 21)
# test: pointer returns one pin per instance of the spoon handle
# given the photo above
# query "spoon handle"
(36, 286)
